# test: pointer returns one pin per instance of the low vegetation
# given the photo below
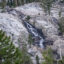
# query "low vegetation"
(48, 56)
(49, 59)
(37, 59)
(28, 17)
(9, 54)
(47, 4)
(30, 40)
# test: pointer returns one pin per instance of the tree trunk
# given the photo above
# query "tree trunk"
(3, 3)
(15, 2)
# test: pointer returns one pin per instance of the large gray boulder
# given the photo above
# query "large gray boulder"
(48, 24)
(13, 27)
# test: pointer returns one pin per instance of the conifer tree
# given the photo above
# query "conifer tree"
(3, 3)
(37, 59)
(15, 2)
(9, 54)
(19, 2)
(47, 4)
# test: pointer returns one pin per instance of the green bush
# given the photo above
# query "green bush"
(61, 61)
(37, 59)
(28, 17)
(30, 40)
(47, 4)
(9, 54)
(48, 56)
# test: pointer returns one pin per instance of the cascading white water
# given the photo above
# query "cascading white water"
(31, 29)
(34, 31)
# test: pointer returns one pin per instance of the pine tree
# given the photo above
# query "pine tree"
(37, 59)
(47, 4)
(3, 3)
(9, 54)
(15, 2)
(10, 3)
(22, 2)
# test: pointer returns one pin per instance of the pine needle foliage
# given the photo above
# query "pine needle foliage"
(48, 56)
(47, 4)
(61, 61)
(9, 54)
(37, 59)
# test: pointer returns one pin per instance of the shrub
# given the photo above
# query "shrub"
(30, 40)
(9, 54)
(47, 4)
(48, 56)
(28, 17)
(37, 59)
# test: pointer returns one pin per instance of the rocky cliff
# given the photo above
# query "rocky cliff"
(11, 22)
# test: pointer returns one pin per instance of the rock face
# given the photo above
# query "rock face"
(48, 24)
(13, 27)
(32, 9)
(34, 51)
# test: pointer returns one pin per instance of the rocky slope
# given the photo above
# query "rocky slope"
(48, 24)
(13, 27)
(11, 22)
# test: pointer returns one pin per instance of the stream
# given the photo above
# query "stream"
(35, 34)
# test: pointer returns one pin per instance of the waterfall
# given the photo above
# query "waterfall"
(35, 34)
